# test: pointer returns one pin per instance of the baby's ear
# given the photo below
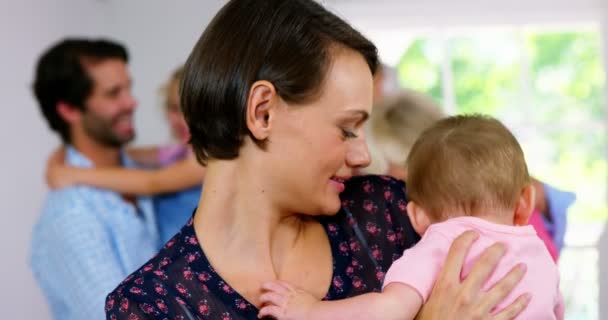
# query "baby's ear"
(524, 206)
(418, 218)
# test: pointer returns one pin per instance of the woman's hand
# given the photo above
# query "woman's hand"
(57, 173)
(452, 298)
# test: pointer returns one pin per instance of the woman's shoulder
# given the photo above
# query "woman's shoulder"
(368, 183)
(374, 188)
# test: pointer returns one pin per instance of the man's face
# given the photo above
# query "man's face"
(108, 115)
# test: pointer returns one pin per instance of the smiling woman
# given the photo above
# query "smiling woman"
(277, 120)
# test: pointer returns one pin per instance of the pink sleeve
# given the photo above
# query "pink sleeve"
(420, 265)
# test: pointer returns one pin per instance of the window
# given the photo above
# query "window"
(547, 85)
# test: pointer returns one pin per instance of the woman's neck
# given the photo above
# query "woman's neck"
(237, 212)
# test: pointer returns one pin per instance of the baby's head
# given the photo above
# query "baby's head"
(468, 165)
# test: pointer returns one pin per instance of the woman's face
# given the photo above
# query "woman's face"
(313, 148)
(179, 128)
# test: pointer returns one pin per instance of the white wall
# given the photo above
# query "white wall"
(159, 39)
(26, 28)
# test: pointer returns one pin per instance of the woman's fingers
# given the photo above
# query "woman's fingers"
(502, 288)
(456, 256)
(514, 308)
(483, 267)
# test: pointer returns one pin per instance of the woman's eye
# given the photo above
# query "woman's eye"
(348, 134)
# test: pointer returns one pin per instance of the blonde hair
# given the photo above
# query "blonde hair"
(175, 78)
(394, 126)
(469, 163)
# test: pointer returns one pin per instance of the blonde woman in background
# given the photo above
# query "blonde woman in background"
(393, 128)
(401, 117)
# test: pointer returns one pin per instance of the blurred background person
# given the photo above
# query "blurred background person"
(398, 121)
(173, 176)
(88, 239)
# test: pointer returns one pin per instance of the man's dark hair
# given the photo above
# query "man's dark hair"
(61, 76)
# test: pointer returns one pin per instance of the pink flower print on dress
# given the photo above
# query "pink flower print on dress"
(376, 252)
(204, 276)
(148, 267)
(161, 274)
(402, 206)
(124, 305)
(350, 271)
(160, 304)
(358, 284)
(380, 274)
(369, 206)
(110, 304)
(136, 291)
(372, 229)
(133, 316)
(391, 236)
(139, 281)
(147, 309)
(182, 290)
(188, 274)
(165, 261)
(332, 229)
(338, 284)
(226, 316)
(191, 257)
(170, 244)
(160, 290)
(240, 304)
(203, 308)
(225, 287)
(354, 245)
(343, 248)
(388, 194)
(192, 241)
(368, 187)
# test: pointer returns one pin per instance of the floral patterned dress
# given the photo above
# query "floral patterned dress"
(370, 232)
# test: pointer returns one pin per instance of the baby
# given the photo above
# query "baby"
(464, 173)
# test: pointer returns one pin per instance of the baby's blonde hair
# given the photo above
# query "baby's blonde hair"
(468, 163)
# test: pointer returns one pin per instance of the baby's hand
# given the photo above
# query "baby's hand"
(284, 302)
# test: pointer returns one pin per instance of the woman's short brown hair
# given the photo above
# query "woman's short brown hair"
(467, 163)
(286, 42)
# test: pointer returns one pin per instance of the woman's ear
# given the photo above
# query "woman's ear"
(261, 109)
(524, 206)
(418, 218)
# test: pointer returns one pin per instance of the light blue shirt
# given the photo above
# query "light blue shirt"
(86, 241)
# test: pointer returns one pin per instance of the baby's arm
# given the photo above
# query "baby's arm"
(283, 302)
(183, 174)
